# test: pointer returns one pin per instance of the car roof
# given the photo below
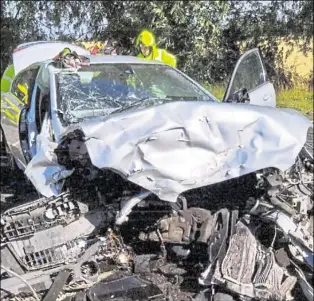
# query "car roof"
(109, 59)
(94, 60)
(119, 59)
(114, 59)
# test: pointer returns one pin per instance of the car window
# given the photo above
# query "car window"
(249, 74)
(103, 89)
(167, 82)
(22, 86)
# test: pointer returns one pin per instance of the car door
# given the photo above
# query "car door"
(13, 104)
(249, 82)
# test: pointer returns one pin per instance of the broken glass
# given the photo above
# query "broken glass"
(103, 89)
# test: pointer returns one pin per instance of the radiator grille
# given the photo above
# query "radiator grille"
(53, 256)
(21, 228)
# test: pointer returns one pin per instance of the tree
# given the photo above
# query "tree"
(191, 30)
(266, 26)
(207, 36)
(18, 24)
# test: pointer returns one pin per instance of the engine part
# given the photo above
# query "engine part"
(26, 220)
(122, 216)
(224, 227)
(126, 289)
(91, 251)
(56, 245)
(307, 150)
(180, 251)
(80, 296)
(249, 269)
(218, 239)
(288, 202)
(291, 191)
(193, 224)
(57, 286)
(144, 264)
(282, 258)
(49, 232)
(171, 269)
(298, 235)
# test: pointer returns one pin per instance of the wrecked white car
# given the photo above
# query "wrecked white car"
(152, 189)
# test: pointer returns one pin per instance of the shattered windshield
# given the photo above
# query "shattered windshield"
(103, 89)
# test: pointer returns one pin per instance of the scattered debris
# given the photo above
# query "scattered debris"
(119, 218)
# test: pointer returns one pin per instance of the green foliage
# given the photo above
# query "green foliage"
(215, 89)
(191, 30)
(266, 25)
(296, 98)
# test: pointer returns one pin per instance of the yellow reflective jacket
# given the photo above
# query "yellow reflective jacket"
(161, 55)
(7, 79)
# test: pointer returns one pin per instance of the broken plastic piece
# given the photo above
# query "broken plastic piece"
(130, 288)
(57, 286)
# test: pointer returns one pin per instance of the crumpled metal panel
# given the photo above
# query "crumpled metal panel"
(175, 147)
(251, 270)
(43, 170)
(179, 146)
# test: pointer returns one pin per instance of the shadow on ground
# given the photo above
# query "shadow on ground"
(15, 189)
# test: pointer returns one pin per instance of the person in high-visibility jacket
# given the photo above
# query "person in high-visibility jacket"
(7, 79)
(147, 46)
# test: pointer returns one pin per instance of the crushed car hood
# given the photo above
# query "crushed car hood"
(174, 147)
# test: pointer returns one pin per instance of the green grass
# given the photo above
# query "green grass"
(217, 90)
(297, 98)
